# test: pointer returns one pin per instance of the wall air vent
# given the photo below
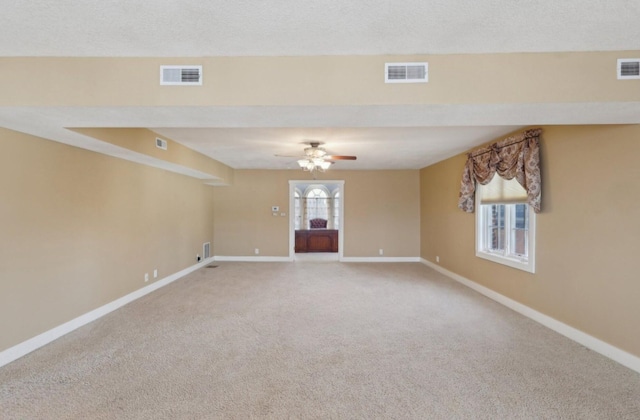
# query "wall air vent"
(406, 72)
(181, 75)
(206, 250)
(161, 144)
(628, 68)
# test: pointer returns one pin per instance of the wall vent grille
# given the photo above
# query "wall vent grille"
(161, 144)
(629, 68)
(206, 250)
(181, 75)
(406, 72)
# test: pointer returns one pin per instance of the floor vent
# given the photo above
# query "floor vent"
(161, 144)
(181, 75)
(211, 266)
(629, 68)
(206, 250)
(406, 72)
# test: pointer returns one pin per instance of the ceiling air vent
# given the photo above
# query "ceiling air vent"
(406, 72)
(181, 75)
(629, 68)
(161, 144)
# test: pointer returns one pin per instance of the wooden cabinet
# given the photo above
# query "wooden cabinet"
(317, 240)
(301, 241)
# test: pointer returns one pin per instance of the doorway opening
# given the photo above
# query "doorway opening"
(316, 222)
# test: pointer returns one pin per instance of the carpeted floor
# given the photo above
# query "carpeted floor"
(311, 340)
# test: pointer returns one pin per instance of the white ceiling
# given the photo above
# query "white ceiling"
(385, 137)
(172, 28)
(376, 148)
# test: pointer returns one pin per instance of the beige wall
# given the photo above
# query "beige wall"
(80, 229)
(326, 80)
(382, 210)
(587, 233)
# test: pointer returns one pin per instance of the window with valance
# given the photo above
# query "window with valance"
(503, 181)
(516, 157)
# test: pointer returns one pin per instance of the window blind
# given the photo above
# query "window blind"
(503, 191)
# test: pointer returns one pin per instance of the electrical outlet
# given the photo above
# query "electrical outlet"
(437, 259)
(146, 277)
(257, 251)
(380, 251)
(155, 273)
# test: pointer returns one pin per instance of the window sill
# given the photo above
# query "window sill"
(527, 266)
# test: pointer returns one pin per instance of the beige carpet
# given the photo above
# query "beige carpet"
(316, 340)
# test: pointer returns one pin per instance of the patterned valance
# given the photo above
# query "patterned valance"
(516, 157)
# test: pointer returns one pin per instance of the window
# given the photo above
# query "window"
(316, 201)
(317, 204)
(336, 210)
(505, 224)
(297, 211)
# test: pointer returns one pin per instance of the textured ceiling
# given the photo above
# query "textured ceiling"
(245, 137)
(157, 28)
(376, 148)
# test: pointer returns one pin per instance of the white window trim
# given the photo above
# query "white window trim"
(316, 187)
(529, 265)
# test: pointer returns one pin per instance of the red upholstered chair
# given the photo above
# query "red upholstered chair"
(318, 224)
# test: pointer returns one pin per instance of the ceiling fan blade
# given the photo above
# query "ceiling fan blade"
(333, 157)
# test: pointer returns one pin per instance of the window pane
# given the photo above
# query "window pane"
(521, 216)
(495, 227)
(336, 210)
(520, 230)
(317, 204)
(298, 211)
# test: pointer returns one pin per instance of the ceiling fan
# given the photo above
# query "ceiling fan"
(316, 158)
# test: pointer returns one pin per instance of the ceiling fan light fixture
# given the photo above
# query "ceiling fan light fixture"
(315, 152)
(316, 159)
(314, 164)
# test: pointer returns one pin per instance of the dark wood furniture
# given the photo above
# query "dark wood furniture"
(317, 240)
(318, 224)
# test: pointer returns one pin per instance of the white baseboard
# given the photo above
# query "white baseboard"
(343, 259)
(251, 259)
(380, 259)
(590, 342)
(26, 347)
